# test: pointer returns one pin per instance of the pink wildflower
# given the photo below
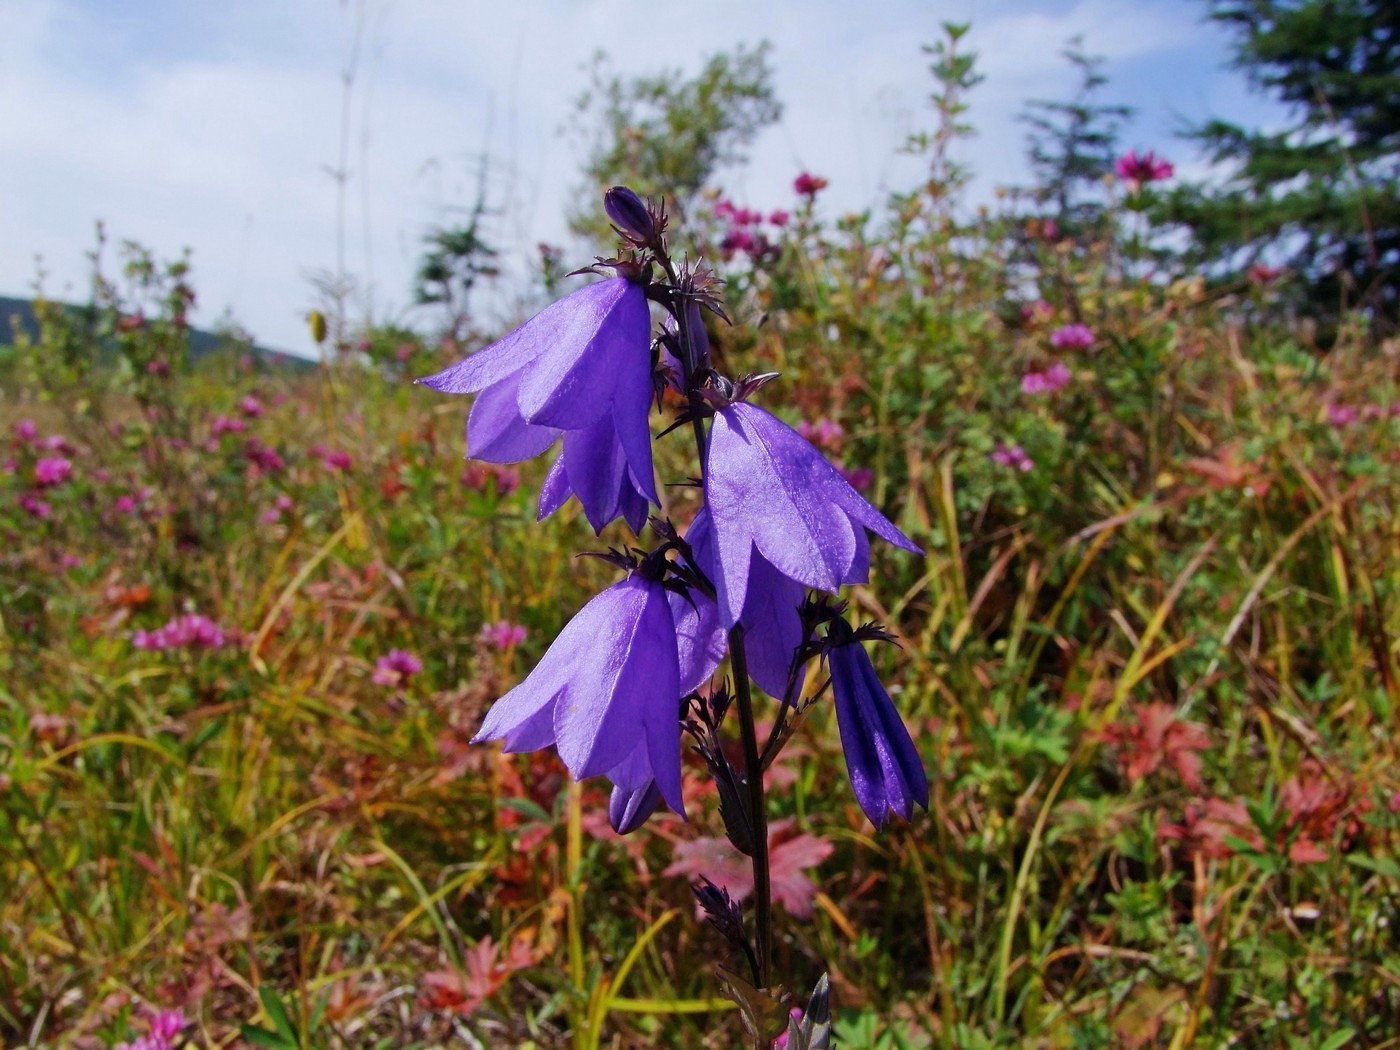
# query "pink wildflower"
(263, 457)
(860, 478)
(824, 433)
(808, 185)
(280, 505)
(1013, 456)
(227, 425)
(503, 635)
(164, 1028)
(52, 470)
(1143, 169)
(779, 217)
(25, 430)
(396, 667)
(1054, 378)
(1341, 415)
(190, 631)
(32, 504)
(1072, 337)
(781, 1042)
(124, 504)
(251, 407)
(337, 460)
(57, 443)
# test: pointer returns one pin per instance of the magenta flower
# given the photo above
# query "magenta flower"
(1054, 378)
(164, 1027)
(1013, 456)
(1143, 169)
(395, 667)
(337, 460)
(191, 631)
(779, 218)
(34, 506)
(808, 185)
(52, 470)
(1341, 415)
(608, 687)
(769, 491)
(503, 635)
(861, 478)
(884, 765)
(1072, 337)
(580, 368)
(251, 407)
(824, 433)
(25, 431)
(263, 458)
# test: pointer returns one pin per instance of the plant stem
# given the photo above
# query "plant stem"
(753, 762)
(758, 816)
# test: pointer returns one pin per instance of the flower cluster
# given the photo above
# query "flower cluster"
(1013, 456)
(612, 691)
(163, 1029)
(1072, 337)
(51, 471)
(744, 233)
(1142, 169)
(395, 667)
(190, 631)
(1049, 381)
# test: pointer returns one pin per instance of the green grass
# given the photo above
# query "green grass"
(264, 837)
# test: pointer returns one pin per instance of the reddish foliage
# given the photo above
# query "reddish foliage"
(789, 858)
(483, 974)
(1157, 736)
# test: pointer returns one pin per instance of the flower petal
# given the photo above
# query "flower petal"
(605, 334)
(497, 433)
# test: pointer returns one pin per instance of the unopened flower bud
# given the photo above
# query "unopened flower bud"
(629, 214)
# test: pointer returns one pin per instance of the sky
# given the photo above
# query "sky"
(219, 128)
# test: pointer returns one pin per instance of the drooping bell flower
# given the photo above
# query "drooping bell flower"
(635, 795)
(580, 368)
(884, 765)
(700, 646)
(607, 686)
(770, 492)
(770, 614)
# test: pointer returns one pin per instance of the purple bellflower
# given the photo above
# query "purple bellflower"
(700, 645)
(770, 492)
(770, 614)
(884, 765)
(606, 694)
(580, 368)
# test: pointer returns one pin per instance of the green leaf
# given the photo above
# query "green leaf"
(277, 1013)
(262, 1037)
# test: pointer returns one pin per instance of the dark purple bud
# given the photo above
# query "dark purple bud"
(629, 214)
(886, 771)
(628, 810)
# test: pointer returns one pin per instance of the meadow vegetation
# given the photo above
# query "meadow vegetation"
(250, 618)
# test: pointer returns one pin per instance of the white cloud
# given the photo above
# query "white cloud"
(214, 126)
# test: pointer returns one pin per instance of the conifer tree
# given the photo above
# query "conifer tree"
(1071, 145)
(1320, 196)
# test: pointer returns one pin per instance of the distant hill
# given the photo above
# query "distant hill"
(201, 342)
